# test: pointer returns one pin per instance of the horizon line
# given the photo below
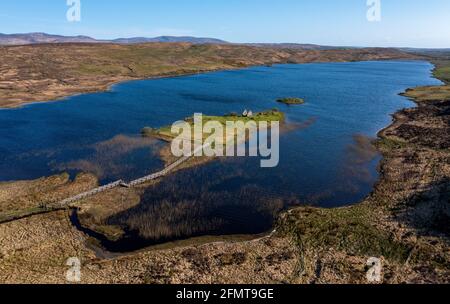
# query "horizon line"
(223, 40)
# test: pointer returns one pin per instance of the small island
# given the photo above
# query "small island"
(165, 134)
(291, 101)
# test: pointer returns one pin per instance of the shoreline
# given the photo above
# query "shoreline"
(380, 135)
(109, 87)
(383, 224)
(102, 89)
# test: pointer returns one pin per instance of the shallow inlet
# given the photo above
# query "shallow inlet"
(320, 164)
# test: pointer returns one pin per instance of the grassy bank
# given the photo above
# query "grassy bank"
(427, 93)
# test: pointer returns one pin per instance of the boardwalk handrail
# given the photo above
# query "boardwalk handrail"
(120, 183)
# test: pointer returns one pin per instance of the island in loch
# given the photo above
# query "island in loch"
(404, 220)
(291, 101)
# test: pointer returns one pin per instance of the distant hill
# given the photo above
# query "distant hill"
(194, 40)
(36, 38)
(296, 46)
(438, 53)
(39, 38)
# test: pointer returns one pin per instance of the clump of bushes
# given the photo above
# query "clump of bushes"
(147, 131)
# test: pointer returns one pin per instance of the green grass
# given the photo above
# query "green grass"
(163, 60)
(442, 70)
(434, 93)
(348, 229)
(427, 93)
(166, 131)
(269, 116)
(443, 74)
(389, 144)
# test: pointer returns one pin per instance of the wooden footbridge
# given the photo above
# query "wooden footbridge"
(120, 183)
(67, 203)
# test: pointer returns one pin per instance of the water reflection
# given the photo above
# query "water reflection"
(228, 196)
(115, 157)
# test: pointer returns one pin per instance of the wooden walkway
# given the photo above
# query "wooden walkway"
(66, 203)
(120, 183)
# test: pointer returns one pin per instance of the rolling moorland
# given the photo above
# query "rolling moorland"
(404, 220)
(42, 72)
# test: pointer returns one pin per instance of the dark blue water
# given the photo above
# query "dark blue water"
(99, 132)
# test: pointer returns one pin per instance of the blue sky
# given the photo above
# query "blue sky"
(413, 23)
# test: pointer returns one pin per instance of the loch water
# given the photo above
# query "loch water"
(323, 162)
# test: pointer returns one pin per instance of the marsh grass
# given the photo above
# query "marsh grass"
(389, 144)
(434, 93)
(348, 229)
